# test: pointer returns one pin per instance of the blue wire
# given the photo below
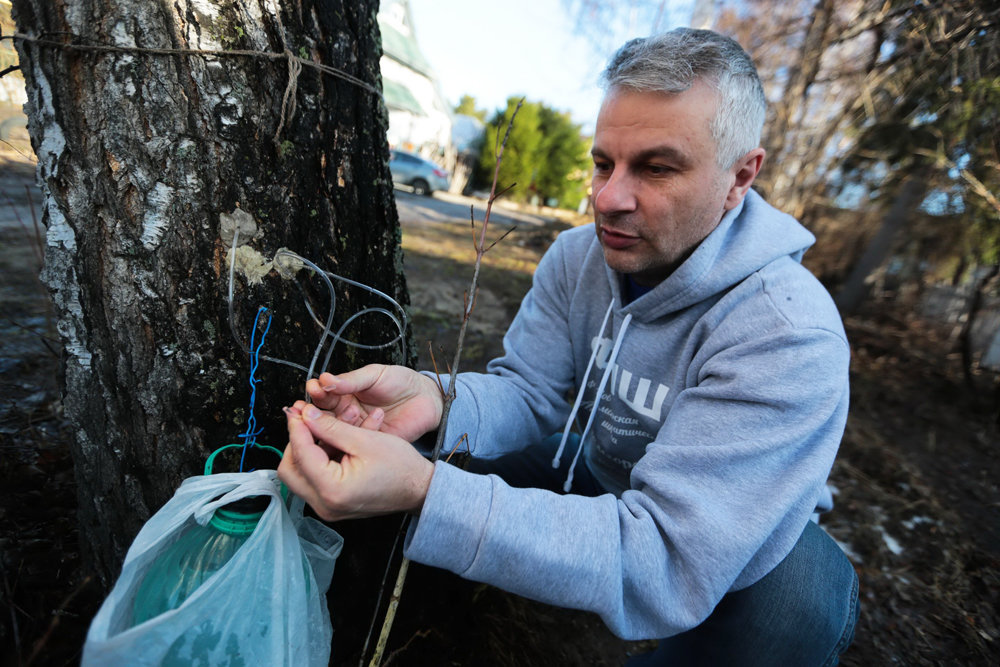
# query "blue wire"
(250, 435)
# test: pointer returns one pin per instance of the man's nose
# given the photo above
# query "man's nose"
(616, 194)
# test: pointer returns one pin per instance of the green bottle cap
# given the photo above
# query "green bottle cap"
(240, 518)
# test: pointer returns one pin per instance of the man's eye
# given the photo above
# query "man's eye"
(602, 166)
(657, 169)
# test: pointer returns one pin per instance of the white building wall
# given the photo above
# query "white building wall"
(427, 134)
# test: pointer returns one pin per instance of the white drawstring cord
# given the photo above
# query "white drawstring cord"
(579, 394)
(597, 398)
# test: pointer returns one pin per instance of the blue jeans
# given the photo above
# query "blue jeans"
(800, 614)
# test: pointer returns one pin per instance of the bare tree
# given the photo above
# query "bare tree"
(154, 125)
(890, 99)
(815, 73)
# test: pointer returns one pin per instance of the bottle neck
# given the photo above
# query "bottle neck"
(240, 518)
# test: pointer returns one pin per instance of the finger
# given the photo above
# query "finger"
(310, 473)
(315, 389)
(331, 431)
(323, 398)
(310, 460)
(373, 422)
(331, 452)
(306, 469)
(289, 473)
(352, 382)
(295, 410)
(327, 381)
(352, 414)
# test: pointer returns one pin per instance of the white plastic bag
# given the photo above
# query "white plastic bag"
(264, 607)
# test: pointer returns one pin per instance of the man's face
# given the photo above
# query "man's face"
(657, 190)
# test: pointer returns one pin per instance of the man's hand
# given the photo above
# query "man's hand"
(345, 471)
(411, 402)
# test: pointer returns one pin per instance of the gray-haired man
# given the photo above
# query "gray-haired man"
(706, 372)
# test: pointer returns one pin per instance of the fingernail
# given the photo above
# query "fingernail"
(312, 412)
(329, 386)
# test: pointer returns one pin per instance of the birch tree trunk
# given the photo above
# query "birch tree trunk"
(141, 155)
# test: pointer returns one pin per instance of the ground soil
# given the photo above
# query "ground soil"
(916, 479)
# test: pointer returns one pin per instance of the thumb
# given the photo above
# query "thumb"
(354, 381)
(303, 456)
(334, 432)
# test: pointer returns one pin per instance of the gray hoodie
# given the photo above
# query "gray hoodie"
(724, 396)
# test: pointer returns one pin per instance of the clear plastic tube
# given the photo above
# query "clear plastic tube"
(328, 339)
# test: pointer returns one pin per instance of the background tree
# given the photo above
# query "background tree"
(467, 106)
(144, 146)
(565, 156)
(934, 124)
(608, 23)
(885, 107)
(814, 68)
(519, 167)
(546, 156)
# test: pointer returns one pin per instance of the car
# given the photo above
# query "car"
(422, 175)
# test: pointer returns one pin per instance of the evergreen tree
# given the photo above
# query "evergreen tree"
(467, 107)
(546, 156)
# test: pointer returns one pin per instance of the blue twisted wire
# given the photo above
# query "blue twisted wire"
(250, 435)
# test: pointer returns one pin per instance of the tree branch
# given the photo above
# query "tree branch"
(481, 249)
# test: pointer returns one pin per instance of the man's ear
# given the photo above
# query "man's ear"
(744, 171)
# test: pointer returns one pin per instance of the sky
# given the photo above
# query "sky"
(494, 50)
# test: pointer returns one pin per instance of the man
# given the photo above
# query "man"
(708, 372)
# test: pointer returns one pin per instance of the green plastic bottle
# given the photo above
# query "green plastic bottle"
(198, 554)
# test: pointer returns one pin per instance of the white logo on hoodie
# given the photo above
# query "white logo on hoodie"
(621, 383)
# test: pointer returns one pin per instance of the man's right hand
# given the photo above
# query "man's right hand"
(412, 402)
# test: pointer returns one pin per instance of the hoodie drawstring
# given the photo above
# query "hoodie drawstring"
(579, 395)
(597, 397)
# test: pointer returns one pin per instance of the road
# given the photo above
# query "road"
(445, 206)
(16, 214)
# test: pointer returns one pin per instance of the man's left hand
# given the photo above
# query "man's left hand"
(346, 471)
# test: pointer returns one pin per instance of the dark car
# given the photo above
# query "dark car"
(422, 175)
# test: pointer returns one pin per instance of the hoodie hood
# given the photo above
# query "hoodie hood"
(748, 238)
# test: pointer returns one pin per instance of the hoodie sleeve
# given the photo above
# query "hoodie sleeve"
(725, 479)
